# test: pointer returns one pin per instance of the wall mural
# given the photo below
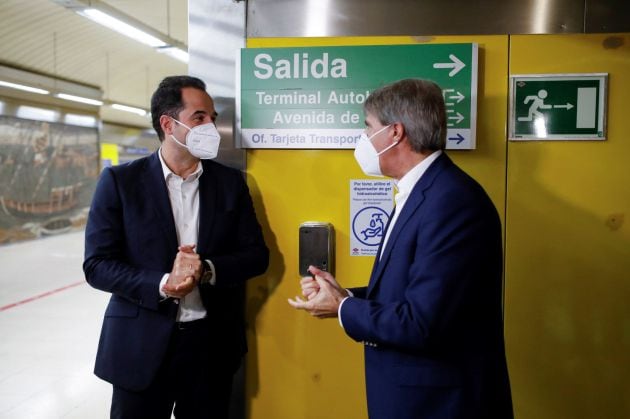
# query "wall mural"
(47, 177)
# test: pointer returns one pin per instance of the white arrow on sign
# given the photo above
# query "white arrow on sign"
(456, 65)
(458, 96)
(459, 118)
(567, 106)
(448, 94)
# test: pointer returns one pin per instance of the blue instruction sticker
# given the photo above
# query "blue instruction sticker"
(371, 203)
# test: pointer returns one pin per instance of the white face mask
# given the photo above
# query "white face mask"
(366, 155)
(202, 141)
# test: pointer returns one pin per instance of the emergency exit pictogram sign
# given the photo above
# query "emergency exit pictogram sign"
(558, 107)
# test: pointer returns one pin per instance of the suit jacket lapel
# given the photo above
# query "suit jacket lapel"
(207, 206)
(416, 197)
(157, 194)
(380, 246)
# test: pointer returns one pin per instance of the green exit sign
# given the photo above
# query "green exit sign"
(558, 107)
(312, 97)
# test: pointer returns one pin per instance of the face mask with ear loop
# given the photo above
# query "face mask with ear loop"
(367, 156)
(202, 141)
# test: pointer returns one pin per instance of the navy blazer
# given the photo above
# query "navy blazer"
(431, 317)
(131, 242)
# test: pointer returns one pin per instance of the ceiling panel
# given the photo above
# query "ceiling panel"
(44, 37)
(157, 14)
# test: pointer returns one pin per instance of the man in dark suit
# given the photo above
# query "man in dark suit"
(173, 237)
(431, 316)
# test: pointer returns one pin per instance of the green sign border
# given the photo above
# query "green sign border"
(459, 136)
(602, 110)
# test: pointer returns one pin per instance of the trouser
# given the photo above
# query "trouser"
(192, 381)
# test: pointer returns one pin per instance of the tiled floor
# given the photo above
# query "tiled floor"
(49, 338)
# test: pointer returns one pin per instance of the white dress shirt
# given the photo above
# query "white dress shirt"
(184, 197)
(405, 185)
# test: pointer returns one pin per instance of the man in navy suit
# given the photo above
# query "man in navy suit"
(173, 237)
(431, 315)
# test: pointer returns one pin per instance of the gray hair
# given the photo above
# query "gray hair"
(418, 105)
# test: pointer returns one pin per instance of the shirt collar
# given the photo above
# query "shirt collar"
(409, 180)
(168, 172)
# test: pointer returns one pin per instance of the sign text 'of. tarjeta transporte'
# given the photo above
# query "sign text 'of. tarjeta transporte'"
(300, 68)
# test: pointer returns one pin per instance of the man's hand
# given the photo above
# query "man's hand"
(310, 287)
(323, 294)
(187, 270)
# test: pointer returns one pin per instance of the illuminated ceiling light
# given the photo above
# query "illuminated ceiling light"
(23, 87)
(79, 99)
(39, 114)
(121, 27)
(541, 9)
(316, 12)
(174, 52)
(81, 120)
(102, 13)
(137, 111)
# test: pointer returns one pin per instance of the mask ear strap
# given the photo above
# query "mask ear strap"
(173, 137)
(177, 141)
(389, 147)
(380, 130)
(182, 124)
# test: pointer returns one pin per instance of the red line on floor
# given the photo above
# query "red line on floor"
(37, 297)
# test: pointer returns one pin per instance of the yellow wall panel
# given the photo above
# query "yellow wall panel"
(299, 367)
(568, 246)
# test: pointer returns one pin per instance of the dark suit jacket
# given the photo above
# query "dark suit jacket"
(131, 242)
(431, 317)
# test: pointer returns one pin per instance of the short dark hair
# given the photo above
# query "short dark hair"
(167, 99)
(418, 105)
